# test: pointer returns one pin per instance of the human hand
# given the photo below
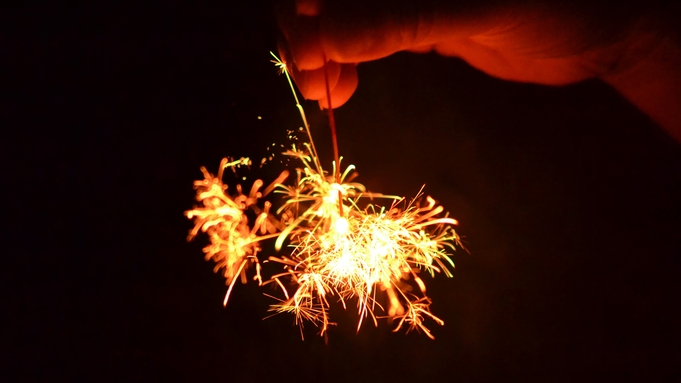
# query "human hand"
(543, 43)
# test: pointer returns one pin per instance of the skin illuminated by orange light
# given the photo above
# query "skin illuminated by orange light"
(632, 46)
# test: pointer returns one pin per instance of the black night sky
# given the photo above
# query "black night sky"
(568, 201)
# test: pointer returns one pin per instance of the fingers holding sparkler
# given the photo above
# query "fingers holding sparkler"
(343, 79)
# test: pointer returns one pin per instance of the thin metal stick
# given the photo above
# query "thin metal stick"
(334, 138)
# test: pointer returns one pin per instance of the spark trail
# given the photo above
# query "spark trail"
(339, 245)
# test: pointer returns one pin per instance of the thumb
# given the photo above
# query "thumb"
(341, 79)
(344, 88)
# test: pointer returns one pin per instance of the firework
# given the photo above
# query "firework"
(341, 245)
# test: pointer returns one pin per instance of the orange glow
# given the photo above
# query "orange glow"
(339, 247)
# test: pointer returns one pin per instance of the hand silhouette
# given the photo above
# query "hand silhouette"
(544, 42)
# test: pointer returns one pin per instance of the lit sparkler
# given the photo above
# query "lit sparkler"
(342, 248)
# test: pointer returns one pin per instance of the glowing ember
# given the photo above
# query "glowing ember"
(341, 247)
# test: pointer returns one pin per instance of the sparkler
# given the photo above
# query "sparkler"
(343, 248)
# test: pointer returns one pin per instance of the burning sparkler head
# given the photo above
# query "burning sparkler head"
(342, 247)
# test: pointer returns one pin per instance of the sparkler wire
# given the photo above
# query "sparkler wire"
(334, 137)
(284, 68)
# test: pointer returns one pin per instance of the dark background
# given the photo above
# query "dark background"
(568, 199)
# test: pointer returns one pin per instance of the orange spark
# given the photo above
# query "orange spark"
(342, 248)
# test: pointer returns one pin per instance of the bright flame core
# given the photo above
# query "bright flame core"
(339, 250)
